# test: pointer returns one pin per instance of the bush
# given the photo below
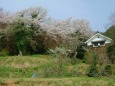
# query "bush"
(77, 70)
(88, 57)
(80, 53)
(111, 53)
(4, 52)
(105, 70)
(92, 70)
(108, 70)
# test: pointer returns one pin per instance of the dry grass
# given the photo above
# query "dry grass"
(25, 61)
(77, 81)
(17, 71)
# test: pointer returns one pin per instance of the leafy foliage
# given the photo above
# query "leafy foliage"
(31, 31)
(111, 32)
(88, 56)
(22, 36)
(108, 70)
(111, 53)
(61, 54)
(4, 52)
(81, 53)
(92, 71)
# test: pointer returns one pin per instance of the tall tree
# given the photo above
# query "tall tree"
(21, 35)
(26, 27)
(70, 30)
(111, 32)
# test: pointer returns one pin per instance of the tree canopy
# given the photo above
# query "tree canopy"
(111, 32)
(32, 31)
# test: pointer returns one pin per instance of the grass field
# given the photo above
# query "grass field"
(75, 81)
(18, 71)
(47, 66)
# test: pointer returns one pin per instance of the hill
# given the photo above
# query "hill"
(18, 71)
(111, 32)
(47, 66)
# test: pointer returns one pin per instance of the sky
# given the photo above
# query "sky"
(97, 12)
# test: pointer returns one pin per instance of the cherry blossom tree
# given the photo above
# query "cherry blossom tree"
(24, 22)
(71, 30)
(47, 31)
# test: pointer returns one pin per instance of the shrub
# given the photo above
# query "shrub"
(111, 53)
(108, 70)
(61, 54)
(4, 52)
(80, 53)
(92, 70)
(89, 56)
(105, 70)
(77, 70)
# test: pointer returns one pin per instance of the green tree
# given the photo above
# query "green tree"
(24, 33)
(21, 34)
(111, 53)
(111, 32)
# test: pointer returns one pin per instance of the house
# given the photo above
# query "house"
(98, 43)
(98, 40)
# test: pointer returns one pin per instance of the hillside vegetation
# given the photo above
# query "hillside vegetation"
(47, 66)
(18, 71)
(38, 50)
(111, 33)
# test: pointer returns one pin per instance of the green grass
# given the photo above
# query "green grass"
(47, 66)
(10, 72)
(22, 66)
(20, 69)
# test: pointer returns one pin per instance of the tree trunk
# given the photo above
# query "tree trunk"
(75, 55)
(20, 53)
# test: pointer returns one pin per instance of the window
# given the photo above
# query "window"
(95, 45)
(102, 43)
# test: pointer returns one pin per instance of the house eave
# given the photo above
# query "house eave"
(96, 35)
